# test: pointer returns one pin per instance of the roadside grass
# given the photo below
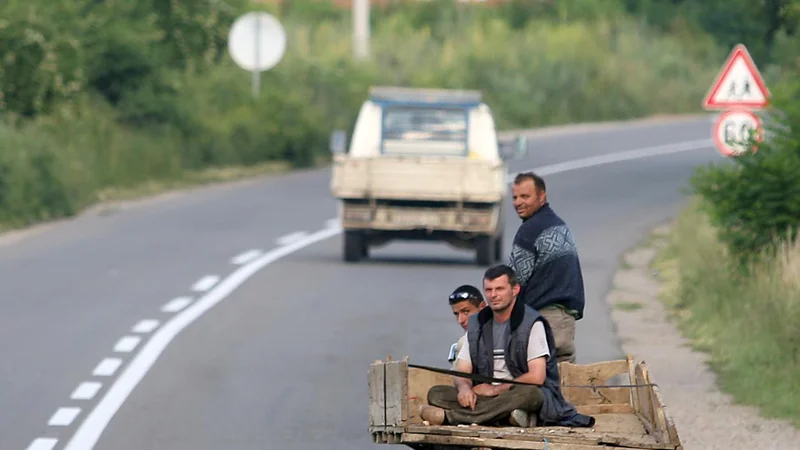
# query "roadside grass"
(748, 323)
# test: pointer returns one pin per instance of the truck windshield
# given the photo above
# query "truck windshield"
(408, 129)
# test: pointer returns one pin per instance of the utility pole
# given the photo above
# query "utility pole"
(361, 28)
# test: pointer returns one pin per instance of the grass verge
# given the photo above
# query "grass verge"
(748, 323)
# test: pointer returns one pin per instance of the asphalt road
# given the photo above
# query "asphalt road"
(280, 361)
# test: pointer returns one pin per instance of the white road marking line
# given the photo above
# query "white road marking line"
(107, 367)
(332, 223)
(619, 156)
(291, 238)
(86, 390)
(126, 344)
(63, 417)
(145, 326)
(246, 257)
(176, 305)
(89, 431)
(43, 444)
(91, 428)
(205, 283)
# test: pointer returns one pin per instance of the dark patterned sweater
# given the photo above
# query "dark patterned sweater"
(545, 258)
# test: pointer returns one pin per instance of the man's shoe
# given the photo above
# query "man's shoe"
(432, 414)
(520, 418)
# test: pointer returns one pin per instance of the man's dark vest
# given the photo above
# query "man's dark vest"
(555, 408)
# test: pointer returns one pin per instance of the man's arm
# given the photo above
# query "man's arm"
(463, 384)
(536, 375)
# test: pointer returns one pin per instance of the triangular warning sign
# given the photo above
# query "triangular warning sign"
(739, 83)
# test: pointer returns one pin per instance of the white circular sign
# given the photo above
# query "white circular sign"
(257, 41)
(733, 130)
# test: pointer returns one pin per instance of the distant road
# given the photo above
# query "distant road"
(224, 318)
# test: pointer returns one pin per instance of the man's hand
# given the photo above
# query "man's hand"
(486, 390)
(467, 398)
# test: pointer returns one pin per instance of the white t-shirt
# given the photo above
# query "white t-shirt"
(537, 347)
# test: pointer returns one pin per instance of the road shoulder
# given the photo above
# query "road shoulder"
(705, 417)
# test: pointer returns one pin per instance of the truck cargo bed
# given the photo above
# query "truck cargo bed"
(419, 178)
(633, 418)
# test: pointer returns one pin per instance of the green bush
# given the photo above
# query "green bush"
(755, 200)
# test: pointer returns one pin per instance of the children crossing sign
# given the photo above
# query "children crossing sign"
(738, 85)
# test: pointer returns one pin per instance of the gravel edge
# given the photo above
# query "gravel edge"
(705, 418)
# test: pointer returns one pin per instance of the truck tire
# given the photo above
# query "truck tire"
(498, 249)
(354, 248)
(485, 249)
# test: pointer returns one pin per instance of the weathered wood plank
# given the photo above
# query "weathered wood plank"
(411, 438)
(377, 399)
(608, 408)
(396, 376)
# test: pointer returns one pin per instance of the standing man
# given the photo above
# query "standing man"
(465, 301)
(545, 258)
(506, 341)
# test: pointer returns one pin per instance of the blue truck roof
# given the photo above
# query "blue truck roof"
(425, 97)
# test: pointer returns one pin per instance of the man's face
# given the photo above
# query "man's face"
(462, 311)
(499, 293)
(527, 199)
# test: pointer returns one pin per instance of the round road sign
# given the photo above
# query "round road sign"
(257, 41)
(733, 129)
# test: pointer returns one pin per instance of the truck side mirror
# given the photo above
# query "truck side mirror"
(338, 142)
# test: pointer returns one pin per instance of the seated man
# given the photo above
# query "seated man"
(465, 301)
(506, 341)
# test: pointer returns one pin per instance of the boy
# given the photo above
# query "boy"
(465, 301)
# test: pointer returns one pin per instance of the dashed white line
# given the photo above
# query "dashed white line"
(145, 326)
(246, 257)
(291, 238)
(43, 444)
(176, 305)
(205, 283)
(86, 390)
(107, 367)
(127, 344)
(64, 417)
(92, 427)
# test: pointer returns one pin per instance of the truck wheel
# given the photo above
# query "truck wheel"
(498, 249)
(354, 247)
(484, 249)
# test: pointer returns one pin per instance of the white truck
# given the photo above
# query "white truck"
(422, 164)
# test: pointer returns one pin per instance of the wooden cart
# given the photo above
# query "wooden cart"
(625, 417)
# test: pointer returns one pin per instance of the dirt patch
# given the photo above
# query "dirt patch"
(706, 419)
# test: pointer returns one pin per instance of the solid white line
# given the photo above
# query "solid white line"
(43, 444)
(86, 390)
(89, 431)
(145, 326)
(205, 283)
(176, 305)
(63, 417)
(127, 344)
(619, 156)
(246, 257)
(291, 238)
(107, 367)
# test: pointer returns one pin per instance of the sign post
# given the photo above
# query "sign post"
(738, 90)
(257, 42)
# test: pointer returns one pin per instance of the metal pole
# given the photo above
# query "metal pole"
(361, 28)
(256, 81)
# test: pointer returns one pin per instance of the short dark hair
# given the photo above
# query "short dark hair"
(466, 292)
(537, 180)
(498, 271)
